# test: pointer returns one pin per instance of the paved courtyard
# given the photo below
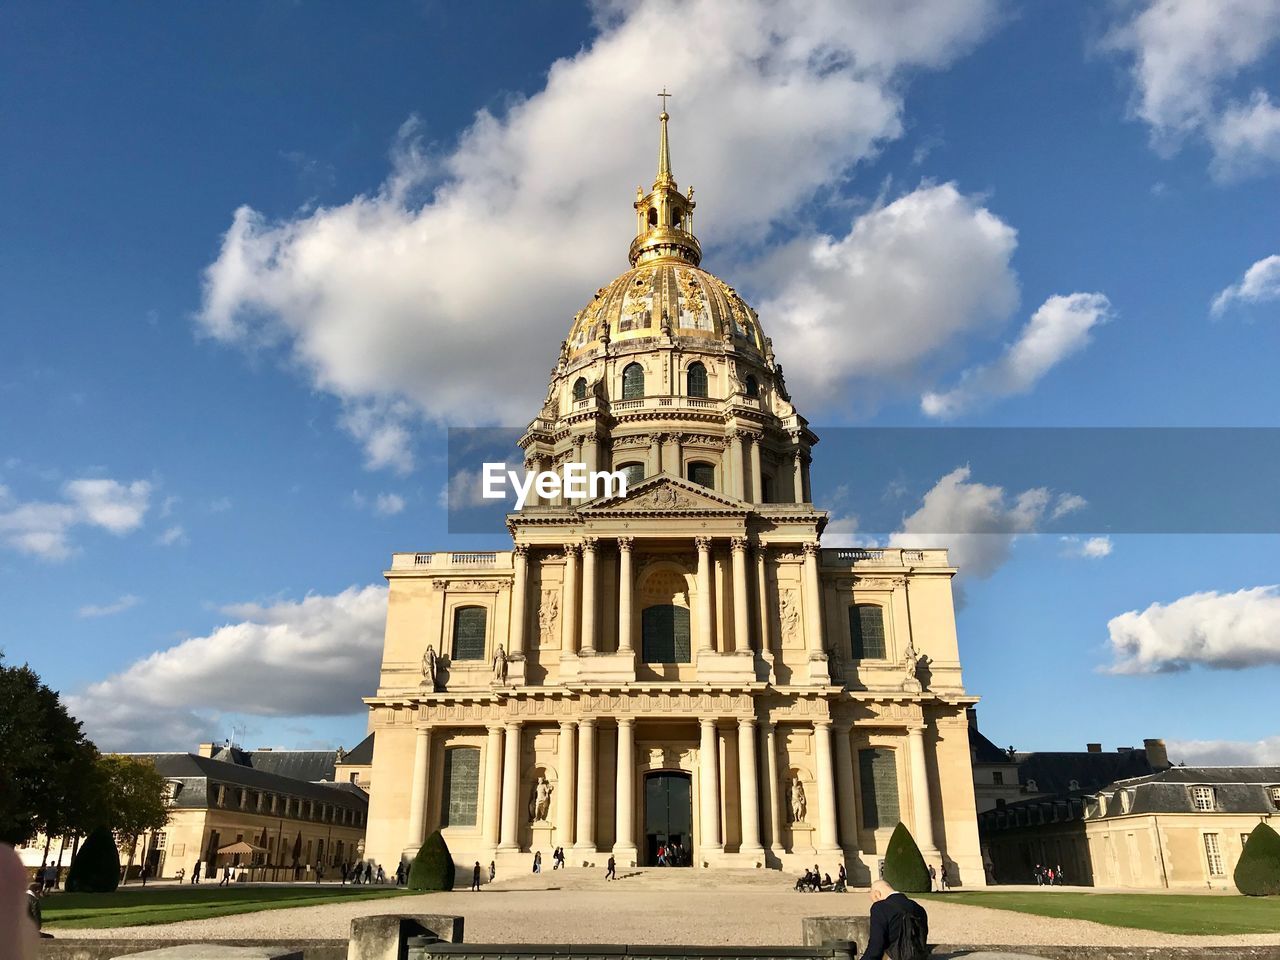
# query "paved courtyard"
(659, 906)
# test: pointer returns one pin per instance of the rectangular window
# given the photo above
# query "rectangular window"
(1275, 796)
(878, 773)
(468, 633)
(1202, 798)
(866, 631)
(461, 787)
(703, 474)
(1213, 855)
(997, 778)
(664, 632)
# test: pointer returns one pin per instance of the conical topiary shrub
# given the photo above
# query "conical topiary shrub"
(904, 867)
(1258, 872)
(96, 868)
(432, 868)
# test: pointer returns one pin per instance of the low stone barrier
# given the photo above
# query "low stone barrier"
(385, 936)
(64, 947)
(424, 948)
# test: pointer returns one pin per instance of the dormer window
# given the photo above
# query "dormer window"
(1202, 798)
(1032, 787)
(1073, 785)
(1126, 801)
(1274, 794)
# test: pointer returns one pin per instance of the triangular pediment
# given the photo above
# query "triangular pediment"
(666, 494)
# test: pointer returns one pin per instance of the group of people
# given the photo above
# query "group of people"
(475, 874)
(814, 881)
(673, 855)
(47, 877)
(1047, 876)
(369, 872)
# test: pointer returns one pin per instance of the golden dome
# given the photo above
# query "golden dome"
(666, 297)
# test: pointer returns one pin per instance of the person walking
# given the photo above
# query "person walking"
(195, 873)
(612, 872)
(842, 880)
(899, 926)
(226, 876)
(475, 877)
(933, 878)
(537, 862)
(493, 871)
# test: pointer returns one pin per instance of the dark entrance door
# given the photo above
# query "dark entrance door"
(668, 815)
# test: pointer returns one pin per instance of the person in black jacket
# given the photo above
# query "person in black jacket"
(896, 921)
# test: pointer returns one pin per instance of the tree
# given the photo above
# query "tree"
(96, 869)
(132, 799)
(46, 766)
(432, 868)
(1258, 870)
(904, 866)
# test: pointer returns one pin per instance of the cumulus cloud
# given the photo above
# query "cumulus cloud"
(1260, 284)
(383, 504)
(172, 535)
(310, 657)
(393, 301)
(126, 602)
(43, 528)
(1221, 631)
(900, 287)
(1089, 548)
(1061, 327)
(1186, 55)
(1226, 753)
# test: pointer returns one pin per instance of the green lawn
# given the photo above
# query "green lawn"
(134, 906)
(1166, 913)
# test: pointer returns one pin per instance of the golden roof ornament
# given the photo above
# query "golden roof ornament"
(664, 216)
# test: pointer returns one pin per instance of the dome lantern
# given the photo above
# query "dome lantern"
(664, 216)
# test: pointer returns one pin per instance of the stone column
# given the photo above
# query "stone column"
(762, 601)
(586, 830)
(418, 793)
(738, 465)
(655, 454)
(798, 477)
(704, 595)
(921, 804)
(564, 789)
(757, 483)
(845, 789)
(590, 452)
(624, 844)
(814, 641)
(520, 562)
(828, 841)
(741, 605)
(569, 602)
(671, 455)
(626, 587)
(511, 789)
(748, 787)
(774, 796)
(709, 787)
(492, 791)
(588, 596)
(531, 466)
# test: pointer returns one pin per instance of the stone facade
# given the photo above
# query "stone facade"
(689, 645)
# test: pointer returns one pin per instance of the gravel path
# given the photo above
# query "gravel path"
(658, 907)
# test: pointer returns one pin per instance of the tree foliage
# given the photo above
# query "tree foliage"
(47, 767)
(1258, 871)
(432, 868)
(96, 868)
(131, 792)
(904, 866)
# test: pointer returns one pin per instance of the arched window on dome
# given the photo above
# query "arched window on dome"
(752, 386)
(633, 382)
(702, 473)
(697, 380)
(653, 216)
(580, 388)
(634, 472)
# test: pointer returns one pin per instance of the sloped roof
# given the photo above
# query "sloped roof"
(361, 755)
(197, 772)
(1054, 772)
(983, 750)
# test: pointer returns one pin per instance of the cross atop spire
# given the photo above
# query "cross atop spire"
(664, 217)
(664, 95)
(664, 178)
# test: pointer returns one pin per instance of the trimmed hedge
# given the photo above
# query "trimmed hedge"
(432, 868)
(1258, 871)
(96, 868)
(904, 866)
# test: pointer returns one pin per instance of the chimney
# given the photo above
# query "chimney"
(1093, 747)
(1157, 755)
(204, 750)
(971, 714)
(1124, 749)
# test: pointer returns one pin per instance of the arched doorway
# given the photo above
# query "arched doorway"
(668, 815)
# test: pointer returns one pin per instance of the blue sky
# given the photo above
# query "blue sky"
(259, 257)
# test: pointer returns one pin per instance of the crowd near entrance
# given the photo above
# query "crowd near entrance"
(668, 819)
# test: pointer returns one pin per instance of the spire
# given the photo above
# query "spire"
(664, 217)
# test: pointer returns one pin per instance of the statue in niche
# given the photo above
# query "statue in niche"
(789, 613)
(799, 806)
(540, 804)
(431, 669)
(500, 666)
(548, 616)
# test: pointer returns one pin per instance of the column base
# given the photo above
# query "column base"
(626, 856)
(606, 667)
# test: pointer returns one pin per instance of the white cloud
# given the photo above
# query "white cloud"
(316, 656)
(899, 289)
(1061, 327)
(172, 535)
(1090, 548)
(1260, 284)
(126, 602)
(1228, 631)
(1186, 54)
(394, 301)
(1226, 753)
(43, 529)
(388, 504)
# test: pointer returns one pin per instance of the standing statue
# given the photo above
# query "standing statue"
(799, 807)
(910, 669)
(789, 614)
(540, 805)
(500, 666)
(430, 668)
